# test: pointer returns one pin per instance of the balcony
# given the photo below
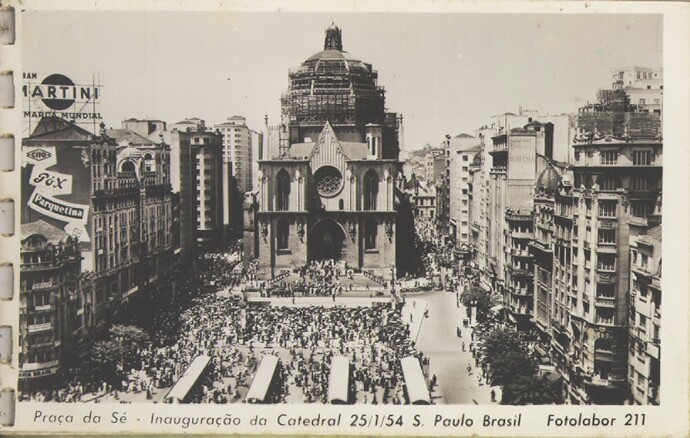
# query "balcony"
(603, 355)
(604, 321)
(653, 349)
(605, 302)
(606, 277)
(516, 234)
(43, 286)
(521, 291)
(36, 328)
(34, 366)
(521, 310)
(607, 248)
(517, 271)
(639, 332)
(607, 222)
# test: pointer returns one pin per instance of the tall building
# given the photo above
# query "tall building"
(203, 181)
(238, 150)
(475, 199)
(51, 307)
(331, 191)
(557, 132)
(615, 194)
(463, 148)
(208, 189)
(554, 179)
(645, 316)
(517, 157)
(644, 87)
(115, 199)
(422, 195)
(435, 164)
(258, 153)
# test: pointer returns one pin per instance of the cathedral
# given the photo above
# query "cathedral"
(328, 186)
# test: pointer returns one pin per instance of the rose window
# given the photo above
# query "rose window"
(329, 180)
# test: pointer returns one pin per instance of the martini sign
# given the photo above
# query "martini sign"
(58, 95)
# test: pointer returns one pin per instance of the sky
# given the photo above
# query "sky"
(445, 73)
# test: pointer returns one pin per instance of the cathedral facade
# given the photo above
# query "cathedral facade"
(329, 188)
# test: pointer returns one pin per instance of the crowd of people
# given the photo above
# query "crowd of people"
(319, 278)
(374, 338)
(236, 336)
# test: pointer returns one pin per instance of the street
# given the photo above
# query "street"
(438, 340)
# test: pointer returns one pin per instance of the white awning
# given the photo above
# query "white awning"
(417, 390)
(189, 378)
(497, 308)
(262, 380)
(339, 380)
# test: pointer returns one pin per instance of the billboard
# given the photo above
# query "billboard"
(522, 157)
(59, 95)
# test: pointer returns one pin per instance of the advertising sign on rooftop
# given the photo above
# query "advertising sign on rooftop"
(58, 95)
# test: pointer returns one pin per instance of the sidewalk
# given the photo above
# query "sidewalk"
(414, 307)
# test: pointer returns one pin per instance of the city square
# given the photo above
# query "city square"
(332, 256)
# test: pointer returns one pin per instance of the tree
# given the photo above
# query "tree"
(108, 359)
(506, 357)
(102, 362)
(508, 366)
(480, 297)
(530, 390)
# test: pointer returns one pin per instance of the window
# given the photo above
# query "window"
(639, 184)
(606, 262)
(464, 158)
(657, 101)
(370, 232)
(607, 236)
(607, 208)
(605, 290)
(371, 189)
(642, 158)
(642, 101)
(283, 233)
(609, 157)
(282, 191)
(341, 204)
(607, 182)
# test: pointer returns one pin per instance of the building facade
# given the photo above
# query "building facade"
(462, 149)
(51, 312)
(332, 189)
(115, 201)
(615, 196)
(644, 360)
(517, 159)
(238, 149)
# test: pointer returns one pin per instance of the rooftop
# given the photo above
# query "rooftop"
(52, 233)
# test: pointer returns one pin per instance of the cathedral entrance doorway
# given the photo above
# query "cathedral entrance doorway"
(326, 240)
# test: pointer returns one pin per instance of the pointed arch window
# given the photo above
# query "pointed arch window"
(370, 233)
(282, 234)
(371, 189)
(283, 191)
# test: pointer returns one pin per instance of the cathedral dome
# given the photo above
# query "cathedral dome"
(334, 85)
(548, 181)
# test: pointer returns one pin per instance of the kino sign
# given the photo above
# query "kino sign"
(58, 95)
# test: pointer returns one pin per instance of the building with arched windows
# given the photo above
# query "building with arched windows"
(328, 187)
